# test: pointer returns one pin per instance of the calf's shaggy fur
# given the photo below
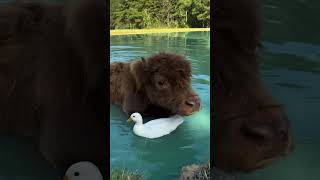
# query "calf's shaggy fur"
(159, 86)
(250, 128)
(53, 78)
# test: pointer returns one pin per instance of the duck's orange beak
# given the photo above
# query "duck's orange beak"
(129, 120)
(65, 178)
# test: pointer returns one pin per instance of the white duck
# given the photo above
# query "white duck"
(155, 128)
(83, 171)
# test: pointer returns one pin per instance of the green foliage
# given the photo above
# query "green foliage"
(132, 14)
(201, 11)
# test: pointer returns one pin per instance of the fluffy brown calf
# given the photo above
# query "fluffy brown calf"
(250, 128)
(159, 85)
(53, 78)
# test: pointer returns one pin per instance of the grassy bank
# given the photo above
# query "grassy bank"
(193, 171)
(125, 175)
(148, 31)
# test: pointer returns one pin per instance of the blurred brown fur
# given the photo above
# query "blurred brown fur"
(250, 128)
(53, 78)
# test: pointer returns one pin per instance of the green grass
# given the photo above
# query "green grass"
(125, 175)
(148, 31)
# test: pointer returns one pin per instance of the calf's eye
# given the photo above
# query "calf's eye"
(160, 83)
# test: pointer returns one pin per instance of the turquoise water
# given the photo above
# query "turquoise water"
(20, 160)
(163, 158)
(291, 70)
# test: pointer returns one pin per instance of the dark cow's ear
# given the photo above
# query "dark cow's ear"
(144, 63)
(138, 70)
(143, 60)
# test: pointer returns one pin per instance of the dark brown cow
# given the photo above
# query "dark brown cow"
(53, 78)
(250, 128)
(159, 85)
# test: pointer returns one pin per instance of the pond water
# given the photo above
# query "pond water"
(291, 70)
(20, 160)
(163, 158)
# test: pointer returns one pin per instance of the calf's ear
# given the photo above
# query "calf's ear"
(139, 72)
(143, 60)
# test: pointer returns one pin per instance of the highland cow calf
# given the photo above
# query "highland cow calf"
(53, 78)
(159, 86)
(250, 128)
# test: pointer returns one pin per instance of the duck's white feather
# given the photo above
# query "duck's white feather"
(158, 127)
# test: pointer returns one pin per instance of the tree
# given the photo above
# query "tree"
(201, 10)
(154, 13)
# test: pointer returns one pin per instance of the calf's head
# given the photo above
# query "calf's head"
(166, 80)
(250, 129)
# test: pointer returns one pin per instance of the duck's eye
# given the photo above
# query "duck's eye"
(76, 173)
(133, 116)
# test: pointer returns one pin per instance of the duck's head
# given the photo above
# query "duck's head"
(135, 117)
(82, 171)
